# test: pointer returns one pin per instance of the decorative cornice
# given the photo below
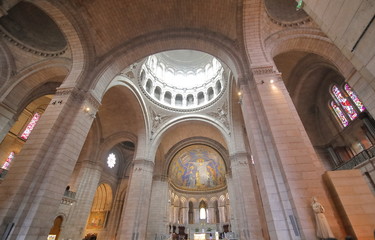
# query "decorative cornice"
(264, 70)
(292, 24)
(241, 158)
(143, 164)
(161, 178)
(180, 110)
(197, 191)
(29, 49)
(78, 95)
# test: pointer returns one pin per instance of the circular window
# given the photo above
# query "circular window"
(182, 79)
(111, 160)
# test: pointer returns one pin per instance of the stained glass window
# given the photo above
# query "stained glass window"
(346, 105)
(340, 115)
(354, 97)
(111, 160)
(202, 213)
(30, 126)
(8, 161)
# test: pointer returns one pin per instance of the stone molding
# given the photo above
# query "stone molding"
(297, 23)
(143, 164)
(264, 70)
(195, 140)
(29, 49)
(161, 178)
(240, 158)
(78, 96)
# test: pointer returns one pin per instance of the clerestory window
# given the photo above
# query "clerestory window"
(342, 106)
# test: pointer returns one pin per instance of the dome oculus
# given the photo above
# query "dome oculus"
(182, 79)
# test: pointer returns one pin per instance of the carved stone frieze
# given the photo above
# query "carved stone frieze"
(78, 96)
(264, 70)
(221, 114)
(143, 164)
(240, 158)
(26, 48)
(157, 119)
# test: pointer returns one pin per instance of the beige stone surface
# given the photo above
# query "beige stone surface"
(354, 200)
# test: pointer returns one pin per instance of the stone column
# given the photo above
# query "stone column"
(221, 214)
(6, 120)
(196, 215)
(243, 198)
(176, 209)
(136, 210)
(171, 214)
(158, 214)
(288, 170)
(185, 215)
(117, 206)
(88, 179)
(32, 191)
(211, 215)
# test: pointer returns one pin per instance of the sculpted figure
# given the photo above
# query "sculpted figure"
(322, 228)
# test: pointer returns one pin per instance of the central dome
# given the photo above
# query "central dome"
(197, 168)
(182, 79)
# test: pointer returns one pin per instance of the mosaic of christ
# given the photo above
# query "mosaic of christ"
(197, 167)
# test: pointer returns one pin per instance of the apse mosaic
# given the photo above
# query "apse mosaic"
(197, 167)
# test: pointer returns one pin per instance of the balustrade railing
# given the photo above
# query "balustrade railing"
(69, 198)
(358, 159)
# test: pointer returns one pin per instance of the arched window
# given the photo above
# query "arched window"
(346, 105)
(202, 213)
(340, 115)
(30, 126)
(111, 160)
(8, 161)
(354, 98)
(202, 210)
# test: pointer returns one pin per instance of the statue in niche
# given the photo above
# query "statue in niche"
(323, 231)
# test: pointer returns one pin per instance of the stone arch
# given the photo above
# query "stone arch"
(252, 32)
(114, 139)
(176, 201)
(120, 58)
(7, 65)
(212, 201)
(103, 198)
(142, 136)
(34, 82)
(311, 42)
(80, 45)
(184, 202)
(158, 136)
(195, 140)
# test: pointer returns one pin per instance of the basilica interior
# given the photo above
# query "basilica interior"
(230, 119)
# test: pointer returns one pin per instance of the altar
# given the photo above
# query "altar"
(199, 236)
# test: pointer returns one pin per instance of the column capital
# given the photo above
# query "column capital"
(161, 178)
(264, 70)
(241, 158)
(143, 164)
(78, 95)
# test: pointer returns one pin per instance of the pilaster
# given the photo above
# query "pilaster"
(6, 120)
(32, 191)
(288, 170)
(136, 210)
(88, 179)
(248, 220)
